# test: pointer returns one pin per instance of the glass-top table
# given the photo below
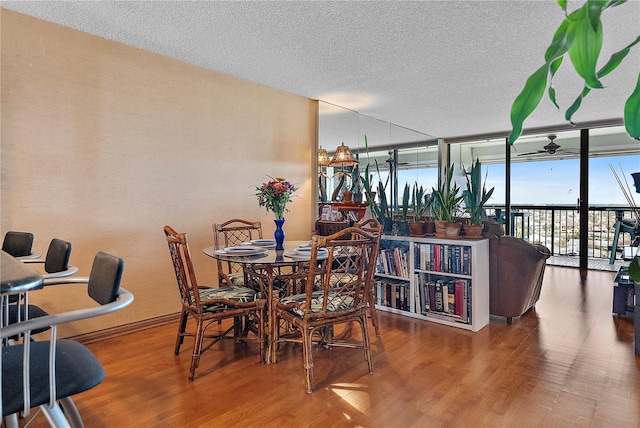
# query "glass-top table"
(276, 273)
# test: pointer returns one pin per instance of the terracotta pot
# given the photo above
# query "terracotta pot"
(441, 227)
(416, 228)
(473, 231)
(429, 228)
(347, 197)
(452, 230)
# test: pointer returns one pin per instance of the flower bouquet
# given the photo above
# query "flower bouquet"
(274, 196)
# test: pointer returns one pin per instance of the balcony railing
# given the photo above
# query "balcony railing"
(558, 227)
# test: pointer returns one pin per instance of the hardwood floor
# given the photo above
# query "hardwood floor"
(568, 363)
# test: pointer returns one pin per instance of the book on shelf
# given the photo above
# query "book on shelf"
(443, 295)
(451, 258)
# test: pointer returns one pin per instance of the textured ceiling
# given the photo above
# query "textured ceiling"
(443, 68)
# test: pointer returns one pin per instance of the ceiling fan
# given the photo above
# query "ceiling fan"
(552, 148)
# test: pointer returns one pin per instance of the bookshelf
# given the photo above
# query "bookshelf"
(439, 280)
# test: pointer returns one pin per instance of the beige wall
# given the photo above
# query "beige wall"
(103, 144)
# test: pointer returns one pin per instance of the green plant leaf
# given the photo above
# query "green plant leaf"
(576, 104)
(632, 112)
(585, 44)
(614, 3)
(563, 5)
(634, 269)
(611, 65)
(527, 101)
(594, 10)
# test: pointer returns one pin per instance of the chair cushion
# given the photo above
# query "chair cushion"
(34, 312)
(77, 370)
(236, 279)
(335, 302)
(238, 294)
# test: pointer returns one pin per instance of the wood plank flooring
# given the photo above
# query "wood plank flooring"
(570, 362)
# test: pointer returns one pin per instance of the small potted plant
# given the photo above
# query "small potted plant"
(475, 199)
(447, 204)
(402, 222)
(419, 205)
(356, 187)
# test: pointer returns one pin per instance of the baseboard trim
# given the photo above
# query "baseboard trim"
(121, 330)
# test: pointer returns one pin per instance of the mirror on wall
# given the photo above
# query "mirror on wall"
(395, 155)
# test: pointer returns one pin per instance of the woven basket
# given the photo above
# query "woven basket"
(327, 227)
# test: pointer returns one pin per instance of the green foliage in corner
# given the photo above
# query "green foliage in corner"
(580, 37)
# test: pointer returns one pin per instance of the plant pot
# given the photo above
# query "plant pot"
(347, 197)
(387, 224)
(429, 228)
(440, 228)
(357, 198)
(402, 227)
(416, 228)
(473, 231)
(452, 230)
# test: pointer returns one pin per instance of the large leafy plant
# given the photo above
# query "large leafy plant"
(579, 36)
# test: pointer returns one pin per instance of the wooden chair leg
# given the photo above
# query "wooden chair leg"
(366, 342)
(307, 355)
(197, 350)
(182, 325)
(373, 314)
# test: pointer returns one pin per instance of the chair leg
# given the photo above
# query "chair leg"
(307, 355)
(197, 350)
(55, 416)
(182, 325)
(509, 320)
(374, 314)
(366, 342)
(69, 408)
(614, 245)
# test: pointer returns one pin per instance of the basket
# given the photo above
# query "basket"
(327, 227)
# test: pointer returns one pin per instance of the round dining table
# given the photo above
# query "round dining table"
(270, 270)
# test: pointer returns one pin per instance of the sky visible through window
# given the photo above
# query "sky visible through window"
(547, 182)
(558, 181)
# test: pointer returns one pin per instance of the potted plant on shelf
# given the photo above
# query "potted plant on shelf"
(476, 197)
(356, 187)
(419, 204)
(402, 223)
(447, 203)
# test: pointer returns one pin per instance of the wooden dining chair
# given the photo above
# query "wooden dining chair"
(373, 226)
(209, 305)
(233, 233)
(337, 292)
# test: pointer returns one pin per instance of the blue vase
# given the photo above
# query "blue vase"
(278, 235)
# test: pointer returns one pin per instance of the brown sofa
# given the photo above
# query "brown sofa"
(516, 268)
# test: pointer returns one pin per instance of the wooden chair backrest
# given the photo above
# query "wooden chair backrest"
(232, 233)
(183, 266)
(346, 276)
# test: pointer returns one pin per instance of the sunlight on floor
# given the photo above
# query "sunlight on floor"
(353, 394)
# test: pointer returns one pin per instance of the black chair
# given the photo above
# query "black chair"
(56, 265)
(19, 244)
(71, 368)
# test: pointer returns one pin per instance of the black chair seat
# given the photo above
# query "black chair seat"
(77, 370)
(34, 312)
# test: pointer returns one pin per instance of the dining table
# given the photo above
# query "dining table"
(270, 271)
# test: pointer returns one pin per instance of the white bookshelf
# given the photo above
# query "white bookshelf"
(463, 266)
